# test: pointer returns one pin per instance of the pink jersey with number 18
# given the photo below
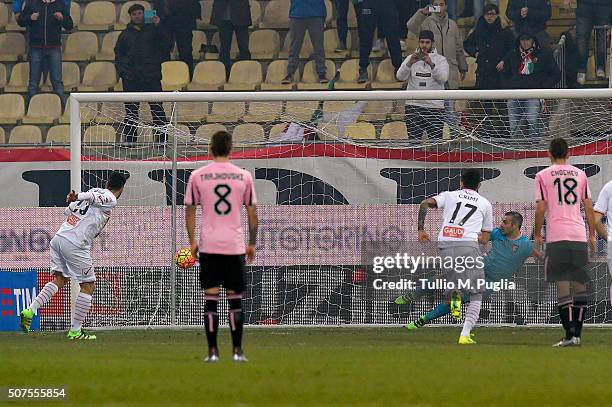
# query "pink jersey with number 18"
(563, 187)
(222, 189)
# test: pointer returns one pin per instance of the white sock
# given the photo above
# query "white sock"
(472, 314)
(81, 309)
(44, 296)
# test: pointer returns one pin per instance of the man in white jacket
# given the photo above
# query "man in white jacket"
(425, 69)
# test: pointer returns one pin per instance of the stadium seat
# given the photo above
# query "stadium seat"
(310, 78)
(248, 133)
(80, 46)
(276, 130)
(12, 108)
(352, 18)
(330, 42)
(264, 44)
(470, 77)
(385, 77)
(98, 16)
(349, 72)
(2, 136)
(124, 17)
(25, 134)
(244, 76)
(276, 15)
(591, 73)
(376, 110)
(275, 74)
(399, 111)
(175, 75)
(199, 38)
(412, 43)
(204, 22)
(298, 111)
(18, 81)
(12, 47)
(305, 52)
(216, 41)
(101, 133)
(4, 15)
(75, 13)
(329, 16)
(107, 51)
(226, 112)
(99, 77)
(207, 76)
(44, 108)
(88, 112)
(189, 112)
(336, 106)
(263, 112)
(255, 13)
(327, 131)
(207, 130)
(59, 134)
(110, 112)
(12, 24)
(2, 76)
(361, 131)
(394, 131)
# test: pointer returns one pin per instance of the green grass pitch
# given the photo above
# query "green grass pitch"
(316, 367)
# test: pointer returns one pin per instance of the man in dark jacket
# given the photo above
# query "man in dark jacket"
(528, 67)
(139, 53)
(232, 16)
(531, 15)
(178, 18)
(44, 21)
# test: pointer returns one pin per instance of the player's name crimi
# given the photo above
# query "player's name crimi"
(443, 284)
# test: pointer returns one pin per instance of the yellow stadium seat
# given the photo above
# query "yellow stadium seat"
(248, 133)
(175, 75)
(71, 77)
(310, 78)
(107, 51)
(263, 112)
(204, 22)
(12, 23)
(264, 44)
(124, 17)
(25, 134)
(2, 76)
(75, 13)
(189, 112)
(12, 108)
(226, 112)
(98, 16)
(336, 106)
(385, 77)
(298, 111)
(361, 131)
(244, 76)
(276, 130)
(216, 41)
(2, 136)
(199, 38)
(4, 15)
(329, 16)
(376, 111)
(306, 51)
(349, 72)
(470, 77)
(98, 77)
(352, 17)
(255, 13)
(101, 133)
(394, 131)
(43, 108)
(110, 112)
(207, 76)
(80, 46)
(330, 42)
(207, 130)
(88, 112)
(18, 81)
(412, 43)
(59, 134)
(12, 47)
(275, 74)
(276, 15)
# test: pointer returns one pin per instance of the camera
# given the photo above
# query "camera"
(434, 9)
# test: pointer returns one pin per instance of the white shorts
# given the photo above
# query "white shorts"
(71, 261)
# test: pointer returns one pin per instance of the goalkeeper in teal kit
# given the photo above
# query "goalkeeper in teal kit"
(509, 250)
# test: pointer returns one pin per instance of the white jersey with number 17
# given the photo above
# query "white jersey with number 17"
(87, 216)
(466, 214)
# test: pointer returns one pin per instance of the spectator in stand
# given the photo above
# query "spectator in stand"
(528, 66)
(531, 16)
(139, 52)
(384, 14)
(424, 70)
(44, 20)
(449, 44)
(17, 6)
(178, 18)
(588, 14)
(232, 16)
(306, 15)
(342, 8)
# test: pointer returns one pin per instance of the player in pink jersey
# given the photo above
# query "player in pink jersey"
(560, 189)
(221, 189)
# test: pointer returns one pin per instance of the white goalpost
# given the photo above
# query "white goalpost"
(336, 173)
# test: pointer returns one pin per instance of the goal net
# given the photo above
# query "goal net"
(337, 175)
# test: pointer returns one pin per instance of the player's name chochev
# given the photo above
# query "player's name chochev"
(10, 393)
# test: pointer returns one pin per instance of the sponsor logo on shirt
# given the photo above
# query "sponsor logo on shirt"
(452, 231)
(73, 220)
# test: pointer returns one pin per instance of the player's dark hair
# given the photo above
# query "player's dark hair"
(221, 144)
(491, 7)
(135, 7)
(116, 181)
(517, 218)
(558, 148)
(471, 178)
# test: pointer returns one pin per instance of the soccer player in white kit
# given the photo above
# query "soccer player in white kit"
(467, 220)
(603, 207)
(88, 213)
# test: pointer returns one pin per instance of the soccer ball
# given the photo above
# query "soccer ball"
(184, 259)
